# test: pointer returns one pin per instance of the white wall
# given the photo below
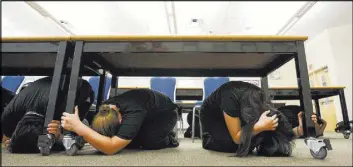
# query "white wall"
(319, 54)
(333, 48)
(340, 39)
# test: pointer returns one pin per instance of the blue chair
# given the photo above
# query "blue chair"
(94, 82)
(12, 83)
(209, 86)
(167, 86)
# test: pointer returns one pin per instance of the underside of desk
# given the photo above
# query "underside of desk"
(191, 58)
(293, 94)
(33, 59)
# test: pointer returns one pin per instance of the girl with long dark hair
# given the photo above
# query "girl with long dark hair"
(239, 117)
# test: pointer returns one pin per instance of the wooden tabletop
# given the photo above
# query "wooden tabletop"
(193, 88)
(35, 39)
(159, 38)
(319, 87)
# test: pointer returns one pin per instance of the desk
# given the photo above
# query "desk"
(247, 56)
(238, 56)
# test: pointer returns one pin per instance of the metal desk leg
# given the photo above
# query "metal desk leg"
(264, 86)
(200, 124)
(193, 122)
(317, 107)
(318, 147)
(71, 140)
(114, 86)
(101, 90)
(347, 129)
(46, 141)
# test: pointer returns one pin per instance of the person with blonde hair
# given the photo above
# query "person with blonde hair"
(138, 119)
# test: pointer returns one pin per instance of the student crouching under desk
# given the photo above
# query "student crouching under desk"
(23, 118)
(137, 119)
(238, 117)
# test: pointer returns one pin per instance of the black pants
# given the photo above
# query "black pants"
(215, 134)
(29, 128)
(156, 133)
(25, 137)
(6, 97)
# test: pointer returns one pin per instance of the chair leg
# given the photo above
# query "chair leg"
(176, 131)
(200, 123)
(193, 124)
(181, 126)
(176, 128)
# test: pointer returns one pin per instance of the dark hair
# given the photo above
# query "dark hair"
(253, 103)
(84, 98)
(106, 121)
(25, 86)
(291, 112)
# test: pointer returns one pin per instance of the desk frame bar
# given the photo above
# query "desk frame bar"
(101, 90)
(75, 70)
(317, 107)
(304, 90)
(59, 81)
(114, 86)
(264, 85)
(344, 110)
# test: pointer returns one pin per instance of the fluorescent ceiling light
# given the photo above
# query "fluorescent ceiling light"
(306, 8)
(46, 14)
(296, 17)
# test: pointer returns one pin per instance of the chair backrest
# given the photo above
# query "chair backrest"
(212, 83)
(166, 85)
(12, 83)
(94, 82)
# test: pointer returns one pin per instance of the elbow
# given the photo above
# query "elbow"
(236, 141)
(109, 150)
(236, 138)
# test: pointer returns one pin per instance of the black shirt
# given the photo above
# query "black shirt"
(32, 98)
(35, 98)
(137, 106)
(6, 97)
(226, 98)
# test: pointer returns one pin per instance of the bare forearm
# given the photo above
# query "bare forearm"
(256, 130)
(4, 138)
(297, 132)
(98, 141)
(320, 129)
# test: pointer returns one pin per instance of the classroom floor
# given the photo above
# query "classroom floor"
(187, 154)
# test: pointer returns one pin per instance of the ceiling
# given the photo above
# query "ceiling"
(325, 14)
(165, 18)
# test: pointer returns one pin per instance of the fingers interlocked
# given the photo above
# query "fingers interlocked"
(274, 122)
